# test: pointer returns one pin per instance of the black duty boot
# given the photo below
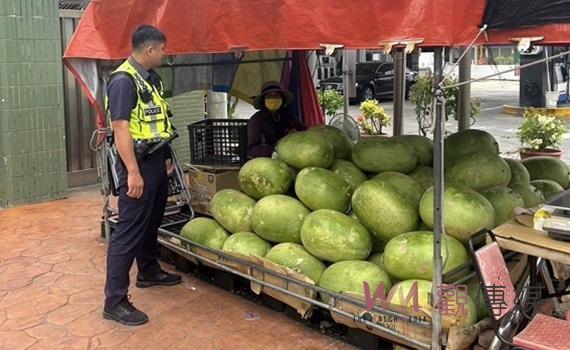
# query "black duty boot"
(124, 312)
(161, 278)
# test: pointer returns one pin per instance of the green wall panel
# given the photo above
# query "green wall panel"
(32, 130)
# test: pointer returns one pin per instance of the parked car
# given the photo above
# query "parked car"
(374, 80)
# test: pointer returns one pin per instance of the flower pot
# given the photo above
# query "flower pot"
(374, 135)
(527, 153)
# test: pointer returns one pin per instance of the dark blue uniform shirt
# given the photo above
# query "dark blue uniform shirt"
(123, 94)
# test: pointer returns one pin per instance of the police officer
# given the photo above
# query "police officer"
(139, 116)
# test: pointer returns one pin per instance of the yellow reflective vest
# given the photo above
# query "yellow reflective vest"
(149, 119)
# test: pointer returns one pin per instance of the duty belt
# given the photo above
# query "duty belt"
(146, 149)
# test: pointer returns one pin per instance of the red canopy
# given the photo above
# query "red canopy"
(206, 26)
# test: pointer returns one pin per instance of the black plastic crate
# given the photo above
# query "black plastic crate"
(218, 142)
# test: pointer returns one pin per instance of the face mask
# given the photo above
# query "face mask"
(273, 104)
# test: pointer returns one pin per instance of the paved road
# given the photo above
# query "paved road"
(493, 95)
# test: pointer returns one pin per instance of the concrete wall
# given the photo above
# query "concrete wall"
(32, 130)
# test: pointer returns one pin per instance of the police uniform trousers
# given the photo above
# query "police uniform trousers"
(135, 236)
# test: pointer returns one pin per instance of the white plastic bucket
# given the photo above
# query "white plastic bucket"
(551, 99)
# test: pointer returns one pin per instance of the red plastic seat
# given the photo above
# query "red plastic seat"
(545, 333)
(494, 272)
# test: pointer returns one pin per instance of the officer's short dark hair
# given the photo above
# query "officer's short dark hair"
(146, 34)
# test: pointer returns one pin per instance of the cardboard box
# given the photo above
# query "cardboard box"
(205, 183)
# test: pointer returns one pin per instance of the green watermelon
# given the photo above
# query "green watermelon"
(262, 177)
(349, 276)
(479, 172)
(320, 188)
(531, 196)
(340, 142)
(378, 259)
(205, 231)
(295, 257)
(333, 236)
(278, 218)
(406, 185)
(466, 212)
(548, 187)
(246, 243)
(383, 210)
(547, 168)
(519, 174)
(423, 176)
(349, 172)
(306, 149)
(377, 244)
(461, 311)
(410, 255)
(423, 147)
(504, 200)
(379, 154)
(466, 142)
(232, 209)
(476, 294)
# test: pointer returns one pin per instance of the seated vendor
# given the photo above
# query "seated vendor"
(271, 122)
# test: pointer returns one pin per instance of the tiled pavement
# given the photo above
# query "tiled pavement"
(52, 266)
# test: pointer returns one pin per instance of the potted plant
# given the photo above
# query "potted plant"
(540, 134)
(373, 118)
(330, 101)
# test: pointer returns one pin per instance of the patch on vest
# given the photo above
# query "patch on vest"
(152, 110)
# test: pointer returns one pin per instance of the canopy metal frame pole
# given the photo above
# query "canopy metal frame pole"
(437, 198)
(399, 90)
(223, 63)
(465, 90)
(345, 81)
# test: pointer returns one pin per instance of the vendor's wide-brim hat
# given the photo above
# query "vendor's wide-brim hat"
(272, 86)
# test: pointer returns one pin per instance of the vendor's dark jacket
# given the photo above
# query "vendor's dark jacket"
(264, 131)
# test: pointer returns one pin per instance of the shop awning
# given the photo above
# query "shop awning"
(207, 27)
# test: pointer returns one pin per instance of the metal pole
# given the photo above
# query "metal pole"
(399, 90)
(465, 91)
(437, 199)
(345, 80)
(548, 83)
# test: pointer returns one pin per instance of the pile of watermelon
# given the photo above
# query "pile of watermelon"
(343, 215)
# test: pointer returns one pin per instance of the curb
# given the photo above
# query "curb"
(561, 112)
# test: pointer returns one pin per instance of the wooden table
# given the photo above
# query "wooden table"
(522, 239)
